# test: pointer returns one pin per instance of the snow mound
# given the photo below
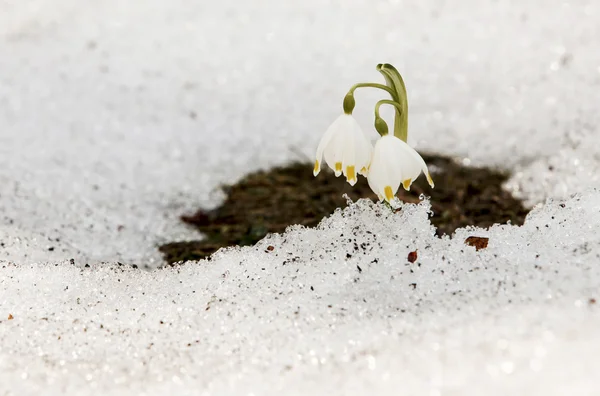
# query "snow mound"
(573, 167)
(117, 117)
(338, 308)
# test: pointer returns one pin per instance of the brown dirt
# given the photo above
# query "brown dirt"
(269, 201)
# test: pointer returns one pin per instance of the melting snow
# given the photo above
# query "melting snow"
(116, 117)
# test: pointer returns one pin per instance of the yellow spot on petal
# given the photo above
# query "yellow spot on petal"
(406, 184)
(338, 166)
(389, 195)
(350, 173)
(364, 169)
(430, 180)
(317, 168)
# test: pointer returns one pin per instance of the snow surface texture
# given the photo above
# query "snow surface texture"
(337, 309)
(116, 117)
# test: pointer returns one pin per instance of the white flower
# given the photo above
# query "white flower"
(394, 162)
(346, 149)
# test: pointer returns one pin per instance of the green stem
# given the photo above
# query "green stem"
(395, 82)
(371, 85)
(348, 104)
(399, 111)
(388, 102)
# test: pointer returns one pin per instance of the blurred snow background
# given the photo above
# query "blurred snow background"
(118, 116)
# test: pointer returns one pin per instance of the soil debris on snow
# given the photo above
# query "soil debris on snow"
(477, 242)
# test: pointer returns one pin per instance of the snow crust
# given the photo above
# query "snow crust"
(117, 117)
(338, 308)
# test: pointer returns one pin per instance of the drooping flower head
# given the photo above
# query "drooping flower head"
(392, 162)
(346, 149)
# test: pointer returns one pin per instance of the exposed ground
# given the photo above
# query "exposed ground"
(269, 201)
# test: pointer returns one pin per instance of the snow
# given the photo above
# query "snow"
(117, 117)
(303, 317)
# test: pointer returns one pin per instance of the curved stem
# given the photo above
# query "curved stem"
(401, 134)
(388, 102)
(371, 85)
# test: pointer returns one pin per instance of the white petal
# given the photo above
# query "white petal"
(349, 158)
(412, 164)
(383, 175)
(374, 178)
(345, 148)
(334, 151)
(325, 140)
(358, 156)
(394, 165)
(409, 167)
(418, 160)
(424, 168)
(394, 162)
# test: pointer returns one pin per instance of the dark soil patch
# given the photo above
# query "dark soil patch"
(269, 201)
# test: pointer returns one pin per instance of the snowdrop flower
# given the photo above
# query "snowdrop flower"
(394, 162)
(346, 149)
